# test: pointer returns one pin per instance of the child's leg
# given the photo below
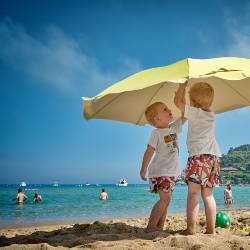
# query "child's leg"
(162, 220)
(210, 209)
(194, 191)
(158, 213)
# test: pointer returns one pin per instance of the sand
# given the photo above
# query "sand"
(129, 234)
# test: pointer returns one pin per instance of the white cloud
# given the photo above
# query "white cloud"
(239, 33)
(131, 65)
(56, 59)
(240, 44)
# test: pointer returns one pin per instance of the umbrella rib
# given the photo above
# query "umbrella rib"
(106, 105)
(156, 92)
(248, 101)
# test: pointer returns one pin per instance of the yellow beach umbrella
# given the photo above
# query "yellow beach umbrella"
(127, 100)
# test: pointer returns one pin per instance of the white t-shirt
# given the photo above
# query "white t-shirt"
(201, 137)
(166, 158)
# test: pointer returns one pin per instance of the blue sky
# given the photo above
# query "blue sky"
(54, 52)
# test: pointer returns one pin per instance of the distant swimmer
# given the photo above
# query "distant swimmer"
(37, 197)
(103, 195)
(20, 197)
(228, 195)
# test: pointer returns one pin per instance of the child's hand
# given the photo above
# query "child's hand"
(143, 174)
(185, 83)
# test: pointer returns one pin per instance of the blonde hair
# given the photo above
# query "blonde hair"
(151, 112)
(202, 94)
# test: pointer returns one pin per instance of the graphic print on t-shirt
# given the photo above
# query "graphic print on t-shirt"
(171, 142)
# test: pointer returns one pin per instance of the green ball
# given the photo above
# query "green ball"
(222, 220)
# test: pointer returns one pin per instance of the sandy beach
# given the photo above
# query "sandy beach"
(129, 234)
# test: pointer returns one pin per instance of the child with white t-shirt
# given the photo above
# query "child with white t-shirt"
(164, 167)
(203, 168)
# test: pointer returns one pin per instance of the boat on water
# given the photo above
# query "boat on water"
(23, 184)
(122, 183)
(55, 184)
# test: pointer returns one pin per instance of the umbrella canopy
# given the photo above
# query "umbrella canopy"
(128, 99)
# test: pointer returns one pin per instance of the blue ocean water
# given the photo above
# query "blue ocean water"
(72, 203)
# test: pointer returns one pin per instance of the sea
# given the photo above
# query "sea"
(81, 203)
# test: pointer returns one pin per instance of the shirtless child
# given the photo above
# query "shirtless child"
(103, 195)
(228, 195)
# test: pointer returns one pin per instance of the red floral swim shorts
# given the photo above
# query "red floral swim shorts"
(164, 183)
(203, 169)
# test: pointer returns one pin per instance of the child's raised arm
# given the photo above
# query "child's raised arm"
(179, 99)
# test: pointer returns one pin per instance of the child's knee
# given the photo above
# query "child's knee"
(165, 201)
(194, 195)
(194, 192)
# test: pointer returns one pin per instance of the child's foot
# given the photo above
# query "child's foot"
(187, 232)
(160, 228)
(210, 232)
(153, 229)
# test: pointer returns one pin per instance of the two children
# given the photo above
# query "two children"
(202, 171)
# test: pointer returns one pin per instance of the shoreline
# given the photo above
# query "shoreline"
(129, 233)
(45, 223)
(48, 222)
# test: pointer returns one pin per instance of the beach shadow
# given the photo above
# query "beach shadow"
(85, 234)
